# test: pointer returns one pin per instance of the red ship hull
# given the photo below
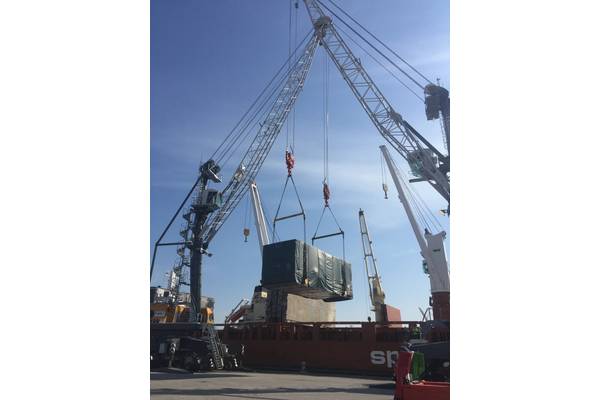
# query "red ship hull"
(357, 347)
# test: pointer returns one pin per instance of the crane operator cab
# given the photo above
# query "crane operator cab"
(210, 200)
(421, 160)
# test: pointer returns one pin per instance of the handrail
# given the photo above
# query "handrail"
(260, 323)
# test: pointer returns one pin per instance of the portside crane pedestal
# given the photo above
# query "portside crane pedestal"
(207, 201)
(440, 303)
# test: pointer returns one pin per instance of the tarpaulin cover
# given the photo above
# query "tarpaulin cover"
(306, 271)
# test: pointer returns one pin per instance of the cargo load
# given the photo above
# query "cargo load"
(285, 307)
(306, 271)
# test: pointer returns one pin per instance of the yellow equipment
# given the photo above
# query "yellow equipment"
(165, 313)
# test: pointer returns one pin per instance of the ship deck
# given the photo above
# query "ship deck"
(221, 385)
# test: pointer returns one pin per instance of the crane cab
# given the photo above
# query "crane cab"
(418, 161)
(209, 200)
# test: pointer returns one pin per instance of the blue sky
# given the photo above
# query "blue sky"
(210, 59)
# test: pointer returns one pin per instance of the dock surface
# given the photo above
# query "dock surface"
(227, 385)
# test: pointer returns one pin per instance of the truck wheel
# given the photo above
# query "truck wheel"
(191, 362)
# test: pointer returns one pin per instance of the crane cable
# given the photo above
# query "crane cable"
(294, 110)
(287, 134)
(289, 163)
(325, 128)
(292, 120)
(426, 217)
(373, 47)
(280, 81)
(257, 118)
(375, 37)
(380, 64)
(266, 100)
(224, 147)
(326, 191)
(426, 212)
(246, 228)
(298, 214)
(411, 198)
(384, 185)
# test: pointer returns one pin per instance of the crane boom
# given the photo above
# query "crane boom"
(259, 217)
(211, 208)
(432, 249)
(375, 290)
(262, 143)
(237, 312)
(424, 162)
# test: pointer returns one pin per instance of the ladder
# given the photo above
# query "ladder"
(214, 345)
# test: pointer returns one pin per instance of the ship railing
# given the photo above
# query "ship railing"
(393, 331)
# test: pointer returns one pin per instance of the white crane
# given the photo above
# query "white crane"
(432, 248)
(426, 162)
(259, 217)
(211, 207)
(375, 290)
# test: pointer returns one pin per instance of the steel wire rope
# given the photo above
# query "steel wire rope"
(414, 205)
(341, 232)
(325, 119)
(265, 101)
(224, 142)
(419, 202)
(275, 219)
(376, 38)
(257, 118)
(253, 104)
(348, 36)
(373, 47)
(384, 184)
(410, 198)
(433, 218)
(293, 147)
(261, 118)
(237, 142)
(326, 158)
(216, 220)
(246, 210)
(237, 195)
(287, 122)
